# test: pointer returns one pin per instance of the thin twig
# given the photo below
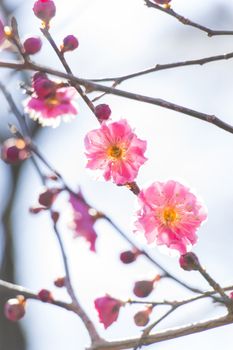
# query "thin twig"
(168, 10)
(129, 95)
(159, 67)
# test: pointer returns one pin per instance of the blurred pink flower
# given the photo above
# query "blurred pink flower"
(116, 151)
(50, 109)
(83, 221)
(108, 309)
(44, 9)
(2, 33)
(170, 215)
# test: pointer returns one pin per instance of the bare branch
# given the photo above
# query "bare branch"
(168, 10)
(137, 97)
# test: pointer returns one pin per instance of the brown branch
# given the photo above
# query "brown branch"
(186, 21)
(209, 118)
(29, 294)
(159, 67)
(62, 59)
(166, 335)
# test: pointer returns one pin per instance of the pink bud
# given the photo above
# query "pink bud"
(108, 309)
(102, 112)
(43, 86)
(47, 197)
(45, 10)
(55, 216)
(189, 262)
(143, 288)
(70, 43)
(60, 282)
(14, 150)
(45, 296)
(129, 256)
(14, 309)
(32, 45)
(141, 318)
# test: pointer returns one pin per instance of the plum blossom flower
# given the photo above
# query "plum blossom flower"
(50, 102)
(170, 215)
(108, 309)
(83, 221)
(115, 150)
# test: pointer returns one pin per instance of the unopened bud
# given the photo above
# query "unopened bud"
(70, 43)
(32, 45)
(45, 296)
(143, 288)
(14, 309)
(45, 10)
(141, 318)
(14, 151)
(103, 112)
(60, 282)
(129, 256)
(189, 262)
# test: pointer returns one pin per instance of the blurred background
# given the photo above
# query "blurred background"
(118, 38)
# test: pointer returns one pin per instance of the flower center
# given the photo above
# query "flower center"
(52, 101)
(169, 215)
(115, 152)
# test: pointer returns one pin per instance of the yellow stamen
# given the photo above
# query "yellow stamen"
(115, 152)
(169, 216)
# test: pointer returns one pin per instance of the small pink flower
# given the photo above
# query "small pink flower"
(116, 151)
(50, 102)
(83, 221)
(170, 215)
(108, 309)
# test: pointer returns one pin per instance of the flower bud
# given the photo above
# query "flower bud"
(143, 288)
(70, 43)
(47, 197)
(45, 10)
(103, 112)
(45, 296)
(129, 256)
(14, 151)
(141, 318)
(60, 282)
(189, 262)
(43, 86)
(32, 45)
(14, 309)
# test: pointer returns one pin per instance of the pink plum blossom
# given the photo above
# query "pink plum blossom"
(44, 9)
(108, 309)
(170, 215)
(50, 102)
(115, 150)
(83, 221)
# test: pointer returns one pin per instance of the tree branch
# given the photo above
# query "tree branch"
(168, 10)
(209, 118)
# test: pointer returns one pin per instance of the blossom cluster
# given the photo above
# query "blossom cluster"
(169, 213)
